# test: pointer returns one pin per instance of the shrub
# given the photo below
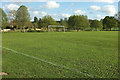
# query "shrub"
(88, 29)
(34, 30)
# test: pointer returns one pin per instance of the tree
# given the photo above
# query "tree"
(48, 20)
(96, 24)
(12, 21)
(110, 22)
(40, 23)
(35, 23)
(78, 21)
(64, 22)
(36, 20)
(119, 20)
(3, 19)
(29, 25)
(11, 16)
(22, 17)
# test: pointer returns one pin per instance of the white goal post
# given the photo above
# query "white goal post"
(55, 26)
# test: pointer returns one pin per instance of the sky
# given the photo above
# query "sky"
(58, 10)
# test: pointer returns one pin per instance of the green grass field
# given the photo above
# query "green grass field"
(60, 55)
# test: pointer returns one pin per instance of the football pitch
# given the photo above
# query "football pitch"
(60, 54)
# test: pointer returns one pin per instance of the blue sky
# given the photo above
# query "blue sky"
(94, 10)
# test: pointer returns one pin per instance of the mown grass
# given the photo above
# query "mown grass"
(93, 53)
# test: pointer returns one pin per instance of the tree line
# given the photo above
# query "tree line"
(20, 20)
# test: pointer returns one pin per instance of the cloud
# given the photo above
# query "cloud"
(105, 1)
(11, 7)
(65, 15)
(35, 12)
(57, 17)
(79, 12)
(52, 5)
(108, 1)
(95, 8)
(68, 9)
(43, 13)
(39, 13)
(107, 9)
(99, 17)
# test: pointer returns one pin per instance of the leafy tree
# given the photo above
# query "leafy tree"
(35, 25)
(90, 21)
(110, 22)
(78, 21)
(64, 23)
(3, 19)
(96, 24)
(119, 20)
(65, 19)
(40, 23)
(36, 20)
(48, 20)
(22, 17)
(30, 25)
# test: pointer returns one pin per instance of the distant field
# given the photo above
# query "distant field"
(60, 55)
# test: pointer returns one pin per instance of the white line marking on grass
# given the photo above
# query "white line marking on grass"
(71, 69)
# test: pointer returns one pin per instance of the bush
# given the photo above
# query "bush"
(115, 29)
(30, 30)
(34, 30)
(88, 29)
